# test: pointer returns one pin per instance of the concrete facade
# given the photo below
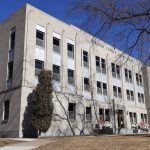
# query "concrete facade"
(27, 21)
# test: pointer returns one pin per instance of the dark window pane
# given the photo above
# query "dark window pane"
(97, 61)
(56, 69)
(98, 84)
(70, 73)
(103, 63)
(88, 110)
(6, 110)
(39, 35)
(12, 40)
(56, 41)
(10, 70)
(70, 47)
(39, 64)
(86, 81)
(104, 86)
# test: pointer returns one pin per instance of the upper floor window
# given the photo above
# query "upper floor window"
(40, 38)
(6, 110)
(101, 88)
(70, 50)
(86, 84)
(117, 91)
(128, 75)
(70, 76)
(139, 80)
(130, 95)
(72, 111)
(39, 65)
(100, 65)
(12, 38)
(141, 98)
(115, 70)
(10, 70)
(56, 45)
(85, 59)
(56, 73)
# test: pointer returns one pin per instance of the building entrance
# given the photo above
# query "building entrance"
(120, 119)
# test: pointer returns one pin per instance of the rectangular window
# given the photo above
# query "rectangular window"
(135, 117)
(139, 97)
(40, 38)
(128, 94)
(101, 114)
(99, 88)
(70, 50)
(131, 117)
(128, 75)
(142, 117)
(139, 79)
(113, 70)
(39, 65)
(88, 114)
(119, 92)
(6, 110)
(12, 38)
(118, 71)
(132, 96)
(56, 45)
(103, 65)
(72, 111)
(86, 84)
(98, 69)
(70, 76)
(145, 118)
(107, 115)
(85, 59)
(142, 98)
(115, 91)
(56, 73)
(104, 89)
(10, 70)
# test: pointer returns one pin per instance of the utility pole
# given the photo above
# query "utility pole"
(114, 114)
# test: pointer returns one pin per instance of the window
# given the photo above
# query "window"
(139, 80)
(142, 117)
(99, 88)
(101, 114)
(131, 117)
(117, 91)
(70, 76)
(70, 50)
(12, 38)
(39, 65)
(135, 117)
(98, 69)
(72, 111)
(56, 73)
(88, 114)
(130, 95)
(10, 70)
(85, 59)
(40, 38)
(6, 110)
(141, 98)
(145, 118)
(104, 89)
(107, 115)
(128, 75)
(86, 84)
(103, 65)
(56, 45)
(115, 70)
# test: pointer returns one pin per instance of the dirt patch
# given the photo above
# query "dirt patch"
(99, 143)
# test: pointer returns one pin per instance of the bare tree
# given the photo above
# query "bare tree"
(129, 22)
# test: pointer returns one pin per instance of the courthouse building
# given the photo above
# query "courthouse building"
(92, 83)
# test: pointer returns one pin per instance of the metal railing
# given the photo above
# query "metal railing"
(56, 49)
(70, 54)
(40, 42)
(71, 115)
(56, 76)
(86, 87)
(71, 80)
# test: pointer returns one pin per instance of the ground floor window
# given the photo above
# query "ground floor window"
(72, 111)
(6, 110)
(88, 114)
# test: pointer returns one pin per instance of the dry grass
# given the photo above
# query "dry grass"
(99, 143)
(4, 142)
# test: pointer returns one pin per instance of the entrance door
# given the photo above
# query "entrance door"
(120, 119)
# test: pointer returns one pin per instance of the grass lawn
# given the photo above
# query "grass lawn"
(99, 143)
(4, 142)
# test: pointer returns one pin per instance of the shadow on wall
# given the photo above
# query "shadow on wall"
(27, 129)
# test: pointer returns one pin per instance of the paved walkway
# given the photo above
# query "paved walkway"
(27, 144)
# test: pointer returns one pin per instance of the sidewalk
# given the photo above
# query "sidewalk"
(27, 144)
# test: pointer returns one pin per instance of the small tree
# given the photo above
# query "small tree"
(42, 103)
